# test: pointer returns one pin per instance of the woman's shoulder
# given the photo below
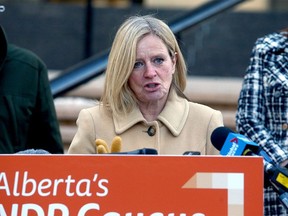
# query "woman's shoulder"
(96, 111)
(202, 113)
(200, 107)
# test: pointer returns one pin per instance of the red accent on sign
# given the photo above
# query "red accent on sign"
(234, 140)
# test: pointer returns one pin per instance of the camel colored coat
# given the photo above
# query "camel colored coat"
(181, 126)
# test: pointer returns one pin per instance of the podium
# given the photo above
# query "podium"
(130, 185)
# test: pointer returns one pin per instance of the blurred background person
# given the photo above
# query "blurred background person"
(262, 113)
(27, 114)
(143, 100)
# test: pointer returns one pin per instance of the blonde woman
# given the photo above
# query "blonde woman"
(143, 100)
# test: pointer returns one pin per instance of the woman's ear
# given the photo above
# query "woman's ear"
(175, 56)
(174, 60)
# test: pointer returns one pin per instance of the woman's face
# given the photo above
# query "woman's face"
(152, 74)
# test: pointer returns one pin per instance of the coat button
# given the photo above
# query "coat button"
(284, 126)
(277, 94)
(151, 131)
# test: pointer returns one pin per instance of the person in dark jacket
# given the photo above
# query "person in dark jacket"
(27, 113)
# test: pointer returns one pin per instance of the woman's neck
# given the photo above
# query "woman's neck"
(152, 110)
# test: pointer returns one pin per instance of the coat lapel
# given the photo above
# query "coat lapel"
(173, 116)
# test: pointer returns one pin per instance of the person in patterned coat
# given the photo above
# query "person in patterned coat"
(262, 113)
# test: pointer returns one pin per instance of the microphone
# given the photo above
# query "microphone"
(233, 144)
(143, 151)
(33, 151)
(230, 143)
(191, 153)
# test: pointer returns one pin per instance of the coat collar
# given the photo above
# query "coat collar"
(173, 116)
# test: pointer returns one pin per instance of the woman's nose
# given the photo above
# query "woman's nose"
(150, 71)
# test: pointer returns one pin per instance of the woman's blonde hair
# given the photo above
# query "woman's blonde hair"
(117, 94)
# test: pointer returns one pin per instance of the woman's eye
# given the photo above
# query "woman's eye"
(138, 64)
(158, 60)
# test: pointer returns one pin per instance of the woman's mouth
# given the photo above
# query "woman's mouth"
(151, 86)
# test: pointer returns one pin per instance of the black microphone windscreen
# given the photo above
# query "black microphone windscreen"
(192, 153)
(143, 151)
(219, 136)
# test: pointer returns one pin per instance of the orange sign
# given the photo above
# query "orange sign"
(114, 185)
